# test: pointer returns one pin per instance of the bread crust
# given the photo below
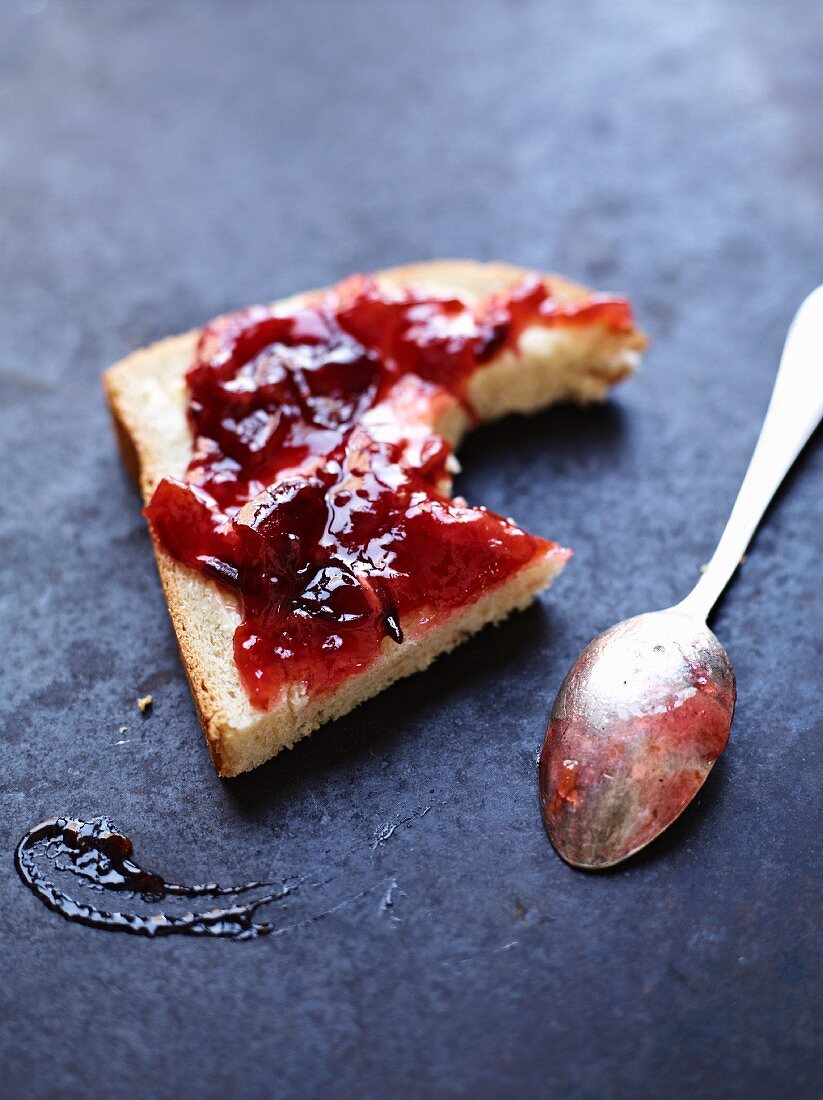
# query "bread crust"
(146, 394)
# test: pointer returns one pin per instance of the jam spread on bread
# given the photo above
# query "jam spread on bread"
(318, 488)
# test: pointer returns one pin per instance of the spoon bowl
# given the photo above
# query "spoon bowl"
(635, 729)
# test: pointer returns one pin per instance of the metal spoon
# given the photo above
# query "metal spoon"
(646, 709)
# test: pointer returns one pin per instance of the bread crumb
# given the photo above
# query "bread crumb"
(144, 703)
(123, 729)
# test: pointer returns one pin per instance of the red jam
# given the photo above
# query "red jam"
(317, 491)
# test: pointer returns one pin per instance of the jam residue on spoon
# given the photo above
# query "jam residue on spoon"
(635, 729)
(317, 492)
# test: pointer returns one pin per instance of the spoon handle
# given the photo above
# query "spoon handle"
(795, 410)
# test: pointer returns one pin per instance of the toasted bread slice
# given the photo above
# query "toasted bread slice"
(147, 396)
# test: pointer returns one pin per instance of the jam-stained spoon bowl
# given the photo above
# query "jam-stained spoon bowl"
(646, 709)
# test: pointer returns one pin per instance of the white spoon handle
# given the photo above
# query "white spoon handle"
(795, 410)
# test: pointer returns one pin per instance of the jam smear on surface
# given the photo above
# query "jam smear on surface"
(317, 492)
(98, 854)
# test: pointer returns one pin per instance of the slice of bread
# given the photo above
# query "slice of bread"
(147, 396)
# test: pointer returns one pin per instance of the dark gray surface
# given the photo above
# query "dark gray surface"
(163, 163)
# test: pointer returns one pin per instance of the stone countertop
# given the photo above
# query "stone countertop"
(165, 162)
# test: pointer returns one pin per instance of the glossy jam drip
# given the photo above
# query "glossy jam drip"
(318, 489)
(96, 853)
